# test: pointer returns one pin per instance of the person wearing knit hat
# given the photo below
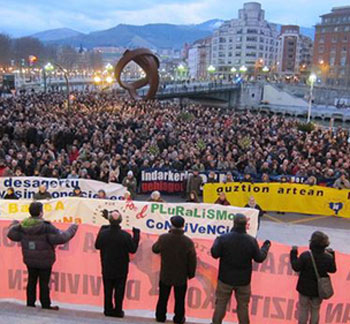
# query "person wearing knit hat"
(115, 245)
(178, 264)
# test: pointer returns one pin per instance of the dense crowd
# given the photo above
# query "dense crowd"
(105, 136)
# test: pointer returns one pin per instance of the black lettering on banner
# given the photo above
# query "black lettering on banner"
(334, 312)
(269, 265)
(55, 282)
(209, 298)
(276, 301)
(290, 307)
(95, 283)
(73, 282)
(194, 298)
(89, 243)
(284, 266)
(15, 279)
(348, 277)
(255, 304)
(133, 290)
(346, 317)
(266, 312)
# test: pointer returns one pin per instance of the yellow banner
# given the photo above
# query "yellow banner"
(283, 197)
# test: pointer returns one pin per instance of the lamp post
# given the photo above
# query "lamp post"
(312, 80)
(50, 67)
(211, 70)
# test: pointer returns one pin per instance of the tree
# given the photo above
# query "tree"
(5, 50)
(25, 46)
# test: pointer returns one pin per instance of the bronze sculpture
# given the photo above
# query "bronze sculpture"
(149, 63)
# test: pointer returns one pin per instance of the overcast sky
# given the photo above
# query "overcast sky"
(24, 17)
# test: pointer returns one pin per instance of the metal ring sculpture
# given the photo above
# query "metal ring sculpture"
(149, 63)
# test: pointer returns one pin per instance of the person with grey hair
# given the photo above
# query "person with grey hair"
(115, 245)
(130, 183)
(236, 251)
(155, 197)
(324, 258)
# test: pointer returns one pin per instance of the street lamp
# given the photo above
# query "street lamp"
(243, 69)
(312, 80)
(109, 67)
(97, 79)
(233, 70)
(109, 80)
(265, 69)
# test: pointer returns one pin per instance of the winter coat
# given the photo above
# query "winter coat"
(115, 245)
(42, 196)
(194, 184)
(38, 239)
(13, 196)
(236, 251)
(222, 202)
(131, 185)
(307, 282)
(178, 257)
(261, 212)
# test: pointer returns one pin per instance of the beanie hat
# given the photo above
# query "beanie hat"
(177, 221)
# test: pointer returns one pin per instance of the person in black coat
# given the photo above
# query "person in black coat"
(236, 251)
(309, 300)
(10, 194)
(115, 245)
(38, 240)
(178, 264)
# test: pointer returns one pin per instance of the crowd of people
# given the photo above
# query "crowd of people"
(103, 137)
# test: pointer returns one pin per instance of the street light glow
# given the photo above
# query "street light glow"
(109, 67)
(233, 70)
(211, 69)
(109, 79)
(312, 78)
(265, 69)
(243, 69)
(97, 79)
(49, 67)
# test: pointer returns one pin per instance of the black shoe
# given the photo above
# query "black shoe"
(180, 322)
(30, 305)
(160, 320)
(109, 313)
(55, 308)
(120, 314)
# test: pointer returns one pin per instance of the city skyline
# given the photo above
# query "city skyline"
(21, 18)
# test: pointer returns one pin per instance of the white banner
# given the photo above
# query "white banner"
(202, 220)
(26, 187)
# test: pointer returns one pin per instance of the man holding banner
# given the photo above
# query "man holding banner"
(178, 264)
(236, 251)
(38, 239)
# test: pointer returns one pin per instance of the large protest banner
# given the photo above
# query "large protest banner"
(76, 279)
(203, 220)
(284, 197)
(26, 187)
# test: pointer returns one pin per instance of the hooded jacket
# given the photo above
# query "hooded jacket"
(38, 239)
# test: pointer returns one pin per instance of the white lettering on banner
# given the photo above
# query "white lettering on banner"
(202, 220)
(26, 187)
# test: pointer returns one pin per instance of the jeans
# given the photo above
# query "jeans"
(307, 306)
(44, 278)
(180, 294)
(223, 296)
(114, 289)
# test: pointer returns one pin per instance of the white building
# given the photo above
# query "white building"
(294, 52)
(199, 56)
(248, 41)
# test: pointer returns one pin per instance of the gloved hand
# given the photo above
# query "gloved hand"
(136, 231)
(295, 248)
(267, 244)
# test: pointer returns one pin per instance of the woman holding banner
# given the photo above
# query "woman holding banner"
(312, 265)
